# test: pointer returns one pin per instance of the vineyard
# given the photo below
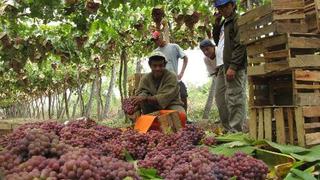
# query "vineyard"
(66, 74)
(49, 49)
(54, 56)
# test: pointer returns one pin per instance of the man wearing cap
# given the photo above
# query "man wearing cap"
(215, 69)
(233, 54)
(209, 51)
(159, 89)
(173, 52)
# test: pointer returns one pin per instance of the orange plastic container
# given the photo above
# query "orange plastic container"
(149, 122)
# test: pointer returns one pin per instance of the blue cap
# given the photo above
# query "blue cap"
(223, 2)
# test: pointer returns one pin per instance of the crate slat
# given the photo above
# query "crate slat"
(310, 86)
(287, 4)
(311, 125)
(311, 111)
(255, 14)
(260, 126)
(253, 123)
(290, 125)
(280, 127)
(305, 75)
(277, 54)
(303, 42)
(305, 61)
(313, 138)
(268, 124)
(300, 124)
(305, 99)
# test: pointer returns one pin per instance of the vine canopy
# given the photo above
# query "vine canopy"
(47, 46)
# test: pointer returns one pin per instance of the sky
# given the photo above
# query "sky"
(196, 71)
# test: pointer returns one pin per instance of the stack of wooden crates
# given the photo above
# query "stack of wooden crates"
(283, 44)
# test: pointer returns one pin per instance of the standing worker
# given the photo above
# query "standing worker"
(215, 69)
(234, 56)
(173, 52)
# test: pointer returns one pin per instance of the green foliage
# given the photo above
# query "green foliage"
(288, 149)
(148, 173)
(69, 35)
(54, 37)
(196, 107)
(229, 149)
(309, 156)
(296, 174)
(235, 137)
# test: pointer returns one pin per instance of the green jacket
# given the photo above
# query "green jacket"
(166, 90)
(234, 53)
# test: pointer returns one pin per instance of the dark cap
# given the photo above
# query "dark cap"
(205, 43)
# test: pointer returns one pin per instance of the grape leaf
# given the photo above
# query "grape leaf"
(237, 137)
(298, 174)
(150, 173)
(229, 149)
(128, 156)
(287, 149)
(310, 156)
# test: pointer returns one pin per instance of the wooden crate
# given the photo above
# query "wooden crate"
(312, 12)
(133, 83)
(286, 124)
(6, 128)
(282, 52)
(5, 131)
(169, 122)
(299, 87)
(280, 16)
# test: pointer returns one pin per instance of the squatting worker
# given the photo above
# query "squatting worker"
(215, 69)
(159, 89)
(173, 52)
(234, 56)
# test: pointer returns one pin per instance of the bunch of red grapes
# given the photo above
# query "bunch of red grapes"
(128, 106)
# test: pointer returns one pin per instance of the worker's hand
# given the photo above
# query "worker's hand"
(137, 100)
(231, 74)
(218, 18)
(180, 76)
(134, 116)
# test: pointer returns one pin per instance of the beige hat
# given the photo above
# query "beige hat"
(157, 54)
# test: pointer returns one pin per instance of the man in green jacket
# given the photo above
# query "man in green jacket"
(159, 89)
(227, 37)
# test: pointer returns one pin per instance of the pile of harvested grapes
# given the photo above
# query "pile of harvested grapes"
(85, 150)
